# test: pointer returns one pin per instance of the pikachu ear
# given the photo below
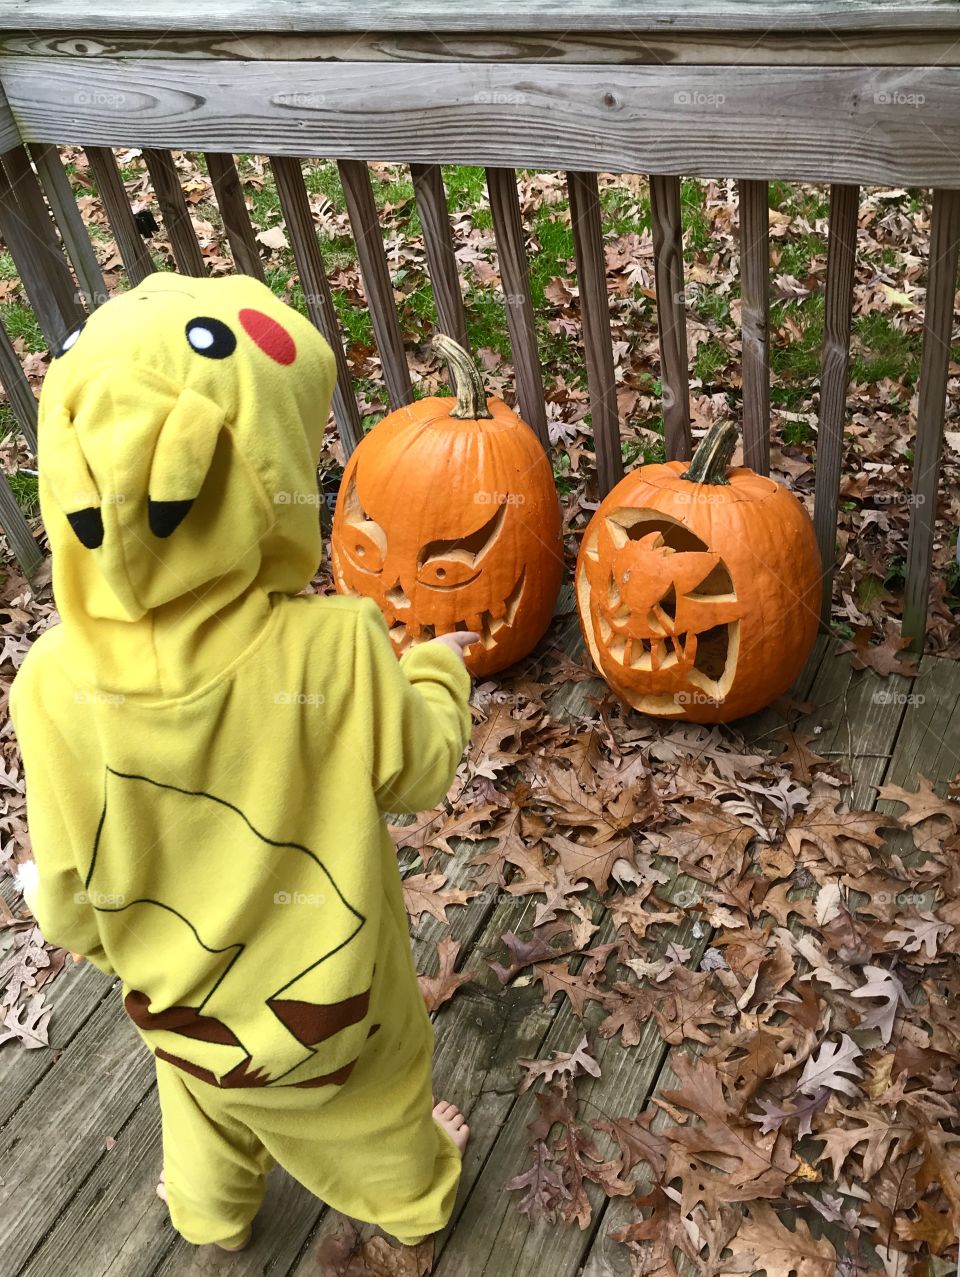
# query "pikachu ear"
(181, 460)
(68, 476)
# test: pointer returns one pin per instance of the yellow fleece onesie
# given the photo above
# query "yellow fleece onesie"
(209, 753)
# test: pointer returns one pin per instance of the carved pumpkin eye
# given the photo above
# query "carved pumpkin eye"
(363, 541)
(446, 574)
(365, 545)
(447, 564)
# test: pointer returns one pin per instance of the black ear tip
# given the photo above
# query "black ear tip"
(166, 516)
(88, 525)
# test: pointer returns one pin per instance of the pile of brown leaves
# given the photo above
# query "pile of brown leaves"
(666, 865)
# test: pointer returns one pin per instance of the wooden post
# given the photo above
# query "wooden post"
(133, 251)
(173, 209)
(595, 316)
(441, 259)
(671, 315)
(61, 199)
(377, 285)
(40, 263)
(233, 210)
(515, 282)
(19, 392)
(937, 333)
(313, 278)
(835, 362)
(17, 530)
(754, 322)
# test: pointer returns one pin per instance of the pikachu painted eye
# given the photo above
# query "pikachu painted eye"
(69, 341)
(211, 338)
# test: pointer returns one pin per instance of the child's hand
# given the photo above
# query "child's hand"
(458, 641)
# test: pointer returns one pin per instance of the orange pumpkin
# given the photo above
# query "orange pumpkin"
(699, 588)
(448, 518)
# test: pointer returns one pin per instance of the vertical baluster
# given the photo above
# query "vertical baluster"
(40, 264)
(372, 256)
(17, 530)
(671, 314)
(937, 333)
(174, 211)
(233, 210)
(306, 250)
(835, 363)
(595, 316)
(19, 393)
(438, 241)
(133, 251)
(515, 281)
(56, 186)
(755, 323)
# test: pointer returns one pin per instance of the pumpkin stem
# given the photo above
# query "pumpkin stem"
(471, 393)
(713, 454)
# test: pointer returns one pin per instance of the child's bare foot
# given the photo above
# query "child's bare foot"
(453, 1122)
(162, 1194)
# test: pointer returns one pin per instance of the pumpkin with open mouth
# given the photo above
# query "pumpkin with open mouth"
(698, 588)
(448, 518)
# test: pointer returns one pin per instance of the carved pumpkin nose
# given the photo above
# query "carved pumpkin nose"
(396, 596)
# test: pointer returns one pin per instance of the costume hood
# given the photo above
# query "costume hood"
(179, 431)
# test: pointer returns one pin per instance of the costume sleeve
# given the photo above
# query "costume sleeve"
(419, 717)
(53, 889)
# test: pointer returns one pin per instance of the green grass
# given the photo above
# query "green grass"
(796, 255)
(710, 359)
(880, 349)
(20, 321)
(24, 488)
(696, 223)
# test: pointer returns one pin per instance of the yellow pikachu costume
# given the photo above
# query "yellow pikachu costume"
(208, 754)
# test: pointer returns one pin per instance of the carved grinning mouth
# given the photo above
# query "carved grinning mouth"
(654, 653)
(489, 627)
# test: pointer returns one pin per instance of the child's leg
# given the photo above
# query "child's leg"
(375, 1151)
(214, 1166)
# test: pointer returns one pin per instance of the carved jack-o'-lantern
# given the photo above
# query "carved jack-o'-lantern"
(448, 518)
(698, 588)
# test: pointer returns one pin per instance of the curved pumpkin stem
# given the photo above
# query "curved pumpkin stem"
(471, 393)
(713, 454)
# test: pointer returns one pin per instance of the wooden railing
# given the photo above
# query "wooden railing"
(848, 94)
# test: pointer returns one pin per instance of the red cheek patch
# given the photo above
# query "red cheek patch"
(272, 338)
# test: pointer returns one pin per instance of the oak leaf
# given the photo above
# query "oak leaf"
(424, 893)
(561, 1064)
(833, 1065)
(440, 988)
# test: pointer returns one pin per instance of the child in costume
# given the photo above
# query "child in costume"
(208, 756)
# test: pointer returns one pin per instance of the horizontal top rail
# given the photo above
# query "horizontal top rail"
(814, 16)
(881, 125)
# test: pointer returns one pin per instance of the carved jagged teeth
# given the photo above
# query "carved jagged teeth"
(400, 636)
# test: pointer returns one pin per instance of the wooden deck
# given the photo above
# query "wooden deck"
(80, 1149)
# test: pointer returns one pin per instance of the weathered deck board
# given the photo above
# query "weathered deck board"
(929, 741)
(99, 1211)
(491, 1236)
(860, 715)
(94, 1088)
(75, 996)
